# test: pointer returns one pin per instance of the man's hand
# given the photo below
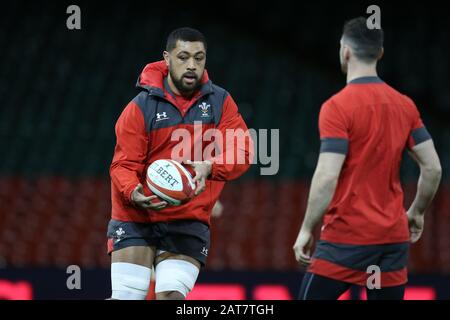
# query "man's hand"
(202, 171)
(217, 209)
(416, 222)
(302, 247)
(143, 202)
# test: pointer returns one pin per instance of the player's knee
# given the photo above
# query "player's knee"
(129, 281)
(174, 277)
(170, 295)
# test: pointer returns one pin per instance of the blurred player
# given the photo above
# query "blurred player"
(364, 130)
(144, 231)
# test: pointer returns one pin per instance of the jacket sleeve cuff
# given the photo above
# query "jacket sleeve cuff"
(215, 172)
(128, 193)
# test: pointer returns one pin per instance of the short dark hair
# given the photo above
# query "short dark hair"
(366, 43)
(184, 34)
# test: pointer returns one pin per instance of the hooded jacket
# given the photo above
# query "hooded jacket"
(149, 129)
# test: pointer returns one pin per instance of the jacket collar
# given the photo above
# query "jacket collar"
(362, 80)
(153, 75)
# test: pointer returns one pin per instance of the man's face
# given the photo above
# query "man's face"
(186, 65)
(343, 53)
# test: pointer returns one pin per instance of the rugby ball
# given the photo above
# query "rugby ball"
(170, 181)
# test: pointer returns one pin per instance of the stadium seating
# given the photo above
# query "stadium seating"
(57, 222)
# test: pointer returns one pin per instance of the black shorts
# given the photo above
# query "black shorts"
(187, 237)
(349, 263)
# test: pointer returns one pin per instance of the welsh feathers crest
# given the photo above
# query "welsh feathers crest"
(204, 107)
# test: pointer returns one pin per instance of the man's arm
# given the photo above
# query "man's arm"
(129, 158)
(130, 152)
(322, 189)
(430, 176)
(334, 145)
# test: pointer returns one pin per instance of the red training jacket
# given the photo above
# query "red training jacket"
(145, 132)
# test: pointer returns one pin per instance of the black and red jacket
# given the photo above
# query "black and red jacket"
(144, 134)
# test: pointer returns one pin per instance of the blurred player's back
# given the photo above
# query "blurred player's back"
(356, 188)
(379, 123)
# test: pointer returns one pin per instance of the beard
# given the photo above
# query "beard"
(184, 88)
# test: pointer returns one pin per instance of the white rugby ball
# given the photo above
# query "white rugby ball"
(170, 181)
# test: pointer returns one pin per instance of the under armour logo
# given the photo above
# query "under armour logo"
(161, 116)
(204, 252)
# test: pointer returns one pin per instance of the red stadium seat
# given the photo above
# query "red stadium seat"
(60, 221)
